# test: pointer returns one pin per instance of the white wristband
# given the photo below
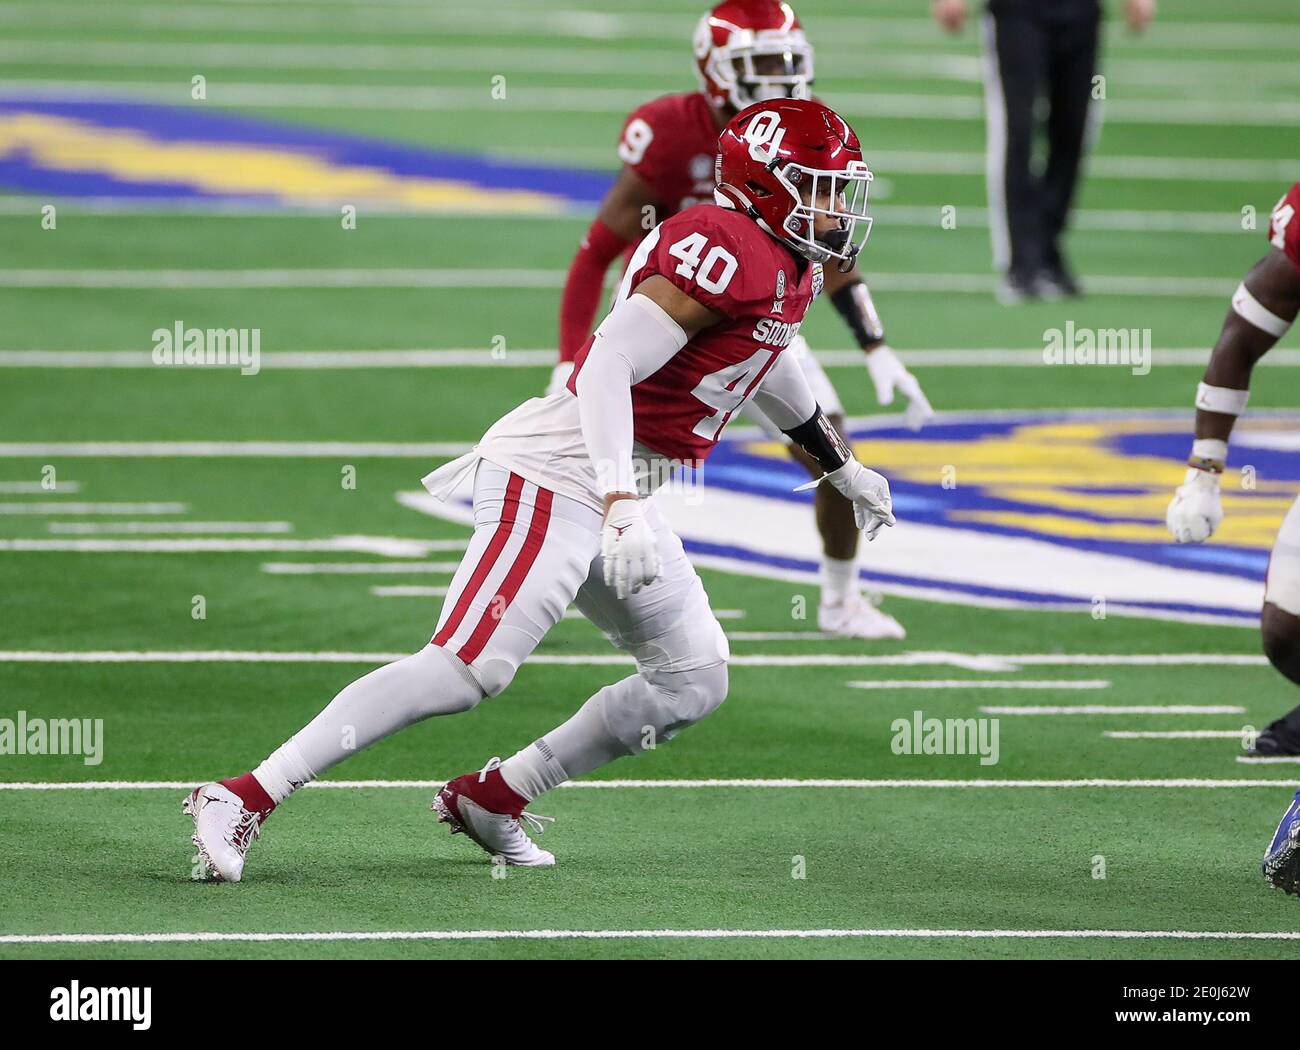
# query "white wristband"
(1251, 310)
(1210, 448)
(1221, 399)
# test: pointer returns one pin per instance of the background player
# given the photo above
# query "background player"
(745, 51)
(558, 487)
(1263, 307)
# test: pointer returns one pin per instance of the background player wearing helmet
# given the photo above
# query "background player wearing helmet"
(1263, 308)
(558, 511)
(745, 51)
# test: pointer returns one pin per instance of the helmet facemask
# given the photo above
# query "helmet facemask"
(841, 195)
(759, 67)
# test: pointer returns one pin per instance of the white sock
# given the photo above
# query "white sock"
(533, 771)
(284, 772)
(839, 581)
(390, 698)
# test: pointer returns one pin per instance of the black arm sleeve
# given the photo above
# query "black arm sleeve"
(822, 441)
(853, 303)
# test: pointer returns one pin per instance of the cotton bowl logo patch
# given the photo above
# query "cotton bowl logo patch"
(1045, 510)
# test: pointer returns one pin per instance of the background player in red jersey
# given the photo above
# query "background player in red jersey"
(561, 491)
(1264, 306)
(745, 51)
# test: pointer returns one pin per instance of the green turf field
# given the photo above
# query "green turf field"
(815, 844)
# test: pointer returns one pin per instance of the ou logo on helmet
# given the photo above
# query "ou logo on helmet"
(764, 135)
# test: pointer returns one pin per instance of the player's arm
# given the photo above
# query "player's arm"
(620, 222)
(851, 298)
(636, 339)
(1263, 307)
(787, 400)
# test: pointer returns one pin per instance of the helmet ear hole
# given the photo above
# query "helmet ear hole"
(756, 190)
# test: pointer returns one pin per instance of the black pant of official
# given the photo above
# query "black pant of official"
(1036, 49)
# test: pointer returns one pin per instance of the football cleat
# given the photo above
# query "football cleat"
(1274, 742)
(858, 619)
(1282, 861)
(486, 810)
(223, 829)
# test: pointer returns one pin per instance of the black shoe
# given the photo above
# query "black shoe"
(1274, 741)
(1056, 282)
(1018, 288)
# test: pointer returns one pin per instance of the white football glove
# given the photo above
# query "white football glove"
(1195, 511)
(628, 549)
(888, 374)
(559, 377)
(869, 493)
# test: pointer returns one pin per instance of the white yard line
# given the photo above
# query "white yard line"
(967, 661)
(1268, 760)
(462, 278)
(87, 528)
(408, 592)
(391, 546)
(208, 937)
(972, 683)
(1175, 734)
(38, 488)
(766, 783)
(92, 508)
(1120, 709)
(428, 98)
(360, 568)
(240, 449)
(481, 357)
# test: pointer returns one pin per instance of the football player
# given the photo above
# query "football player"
(561, 496)
(746, 51)
(1264, 306)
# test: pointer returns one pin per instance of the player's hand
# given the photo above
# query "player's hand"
(627, 547)
(1195, 511)
(869, 494)
(951, 14)
(888, 374)
(1138, 14)
(559, 377)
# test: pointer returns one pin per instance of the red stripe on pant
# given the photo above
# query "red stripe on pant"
(500, 602)
(509, 514)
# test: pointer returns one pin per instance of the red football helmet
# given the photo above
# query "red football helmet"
(748, 51)
(786, 161)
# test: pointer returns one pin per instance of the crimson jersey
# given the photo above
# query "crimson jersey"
(722, 259)
(672, 143)
(1284, 225)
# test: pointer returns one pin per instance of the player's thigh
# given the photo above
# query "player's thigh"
(529, 554)
(667, 626)
(1283, 586)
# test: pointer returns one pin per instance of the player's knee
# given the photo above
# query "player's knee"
(452, 685)
(1280, 631)
(688, 697)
